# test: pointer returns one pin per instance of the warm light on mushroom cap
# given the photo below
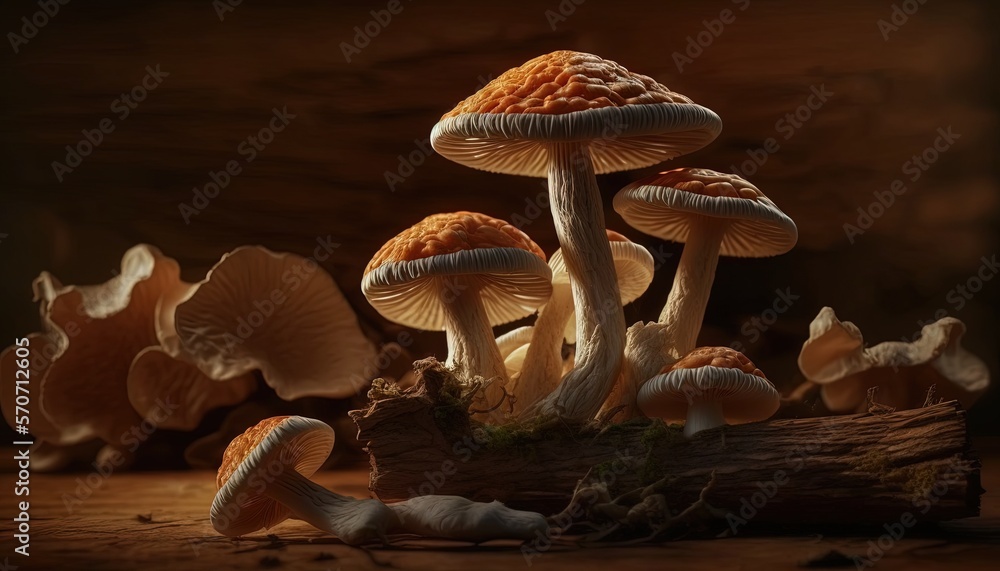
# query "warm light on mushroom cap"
(633, 120)
(405, 279)
(743, 397)
(723, 357)
(562, 82)
(266, 450)
(706, 182)
(452, 232)
(665, 205)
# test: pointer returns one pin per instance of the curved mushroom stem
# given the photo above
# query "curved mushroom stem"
(455, 517)
(352, 520)
(703, 415)
(543, 365)
(514, 339)
(578, 215)
(472, 350)
(685, 307)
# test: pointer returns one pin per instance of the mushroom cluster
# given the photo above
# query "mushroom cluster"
(568, 116)
(147, 350)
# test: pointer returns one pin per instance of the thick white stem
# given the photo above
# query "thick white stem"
(703, 415)
(352, 520)
(472, 349)
(543, 365)
(685, 307)
(578, 214)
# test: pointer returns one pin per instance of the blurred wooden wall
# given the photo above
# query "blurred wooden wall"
(325, 174)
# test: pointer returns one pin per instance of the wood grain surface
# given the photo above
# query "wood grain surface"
(159, 521)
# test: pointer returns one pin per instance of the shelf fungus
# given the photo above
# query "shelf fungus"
(707, 388)
(279, 313)
(835, 357)
(95, 332)
(568, 116)
(463, 273)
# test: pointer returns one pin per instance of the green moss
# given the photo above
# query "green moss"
(659, 433)
(875, 462)
(917, 481)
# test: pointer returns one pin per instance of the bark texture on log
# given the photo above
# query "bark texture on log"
(861, 468)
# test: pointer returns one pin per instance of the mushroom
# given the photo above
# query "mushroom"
(514, 340)
(835, 357)
(101, 329)
(264, 480)
(463, 273)
(709, 387)
(156, 380)
(714, 214)
(543, 363)
(568, 116)
(277, 312)
(455, 517)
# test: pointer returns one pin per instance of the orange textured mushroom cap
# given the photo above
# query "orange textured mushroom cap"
(562, 82)
(665, 204)
(723, 357)
(449, 233)
(405, 279)
(262, 453)
(572, 96)
(714, 374)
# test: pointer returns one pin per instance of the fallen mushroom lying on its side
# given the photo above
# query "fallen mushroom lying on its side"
(264, 480)
(836, 358)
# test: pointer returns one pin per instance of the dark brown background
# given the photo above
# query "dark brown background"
(325, 174)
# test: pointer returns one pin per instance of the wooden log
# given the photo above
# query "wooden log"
(863, 468)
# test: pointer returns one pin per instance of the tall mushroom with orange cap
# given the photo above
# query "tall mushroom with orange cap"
(568, 116)
(463, 273)
(714, 214)
(543, 361)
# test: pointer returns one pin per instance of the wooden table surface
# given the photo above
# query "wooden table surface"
(153, 521)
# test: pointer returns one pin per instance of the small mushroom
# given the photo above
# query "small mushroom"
(463, 273)
(264, 480)
(157, 381)
(277, 312)
(568, 116)
(709, 387)
(455, 517)
(835, 357)
(543, 363)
